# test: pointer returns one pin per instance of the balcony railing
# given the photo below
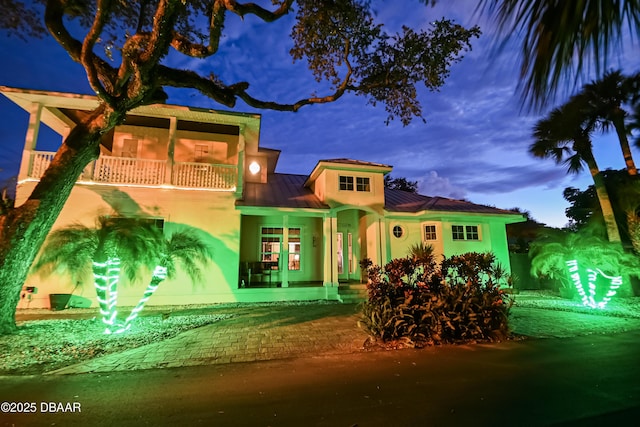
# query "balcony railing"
(144, 172)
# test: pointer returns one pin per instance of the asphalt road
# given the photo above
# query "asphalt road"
(583, 381)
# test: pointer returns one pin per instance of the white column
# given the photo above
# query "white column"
(330, 227)
(171, 144)
(30, 141)
(284, 252)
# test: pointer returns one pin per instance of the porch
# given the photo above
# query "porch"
(145, 172)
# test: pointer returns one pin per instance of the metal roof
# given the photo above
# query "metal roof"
(281, 190)
(404, 201)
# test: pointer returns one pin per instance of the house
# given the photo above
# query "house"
(274, 236)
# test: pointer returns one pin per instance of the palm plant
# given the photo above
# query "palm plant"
(183, 248)
(116, 245)
(565, 136)
(605, 99)
(559, 37)
(570, 257)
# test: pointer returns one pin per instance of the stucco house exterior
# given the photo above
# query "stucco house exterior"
(274, 236)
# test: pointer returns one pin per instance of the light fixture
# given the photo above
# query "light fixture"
(254, 168)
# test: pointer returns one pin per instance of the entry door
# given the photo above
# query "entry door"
(344, 256)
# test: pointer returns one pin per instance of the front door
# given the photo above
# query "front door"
(344, 257)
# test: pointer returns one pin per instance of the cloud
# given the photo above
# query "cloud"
(434, 185)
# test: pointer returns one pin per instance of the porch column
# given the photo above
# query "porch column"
(171, 145)
(284, 253)
(30, 141)
(240, 166)
(329, 228)
(381, 238)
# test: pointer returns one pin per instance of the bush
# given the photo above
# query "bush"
(415, 302)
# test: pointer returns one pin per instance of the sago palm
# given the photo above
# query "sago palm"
(116, 245)
(184, 249)
(565, 136)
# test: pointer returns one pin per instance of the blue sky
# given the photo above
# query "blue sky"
(473, 145)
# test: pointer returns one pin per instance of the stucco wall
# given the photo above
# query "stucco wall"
(211, 214)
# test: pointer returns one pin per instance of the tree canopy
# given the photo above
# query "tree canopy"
(128, 49)
(561, 39)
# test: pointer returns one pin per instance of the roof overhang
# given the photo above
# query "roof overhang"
(55, 103)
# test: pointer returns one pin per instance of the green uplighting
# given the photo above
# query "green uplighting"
(589, 296)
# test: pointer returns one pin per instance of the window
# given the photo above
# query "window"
(398, 231)
(363, 184)
(130, 148)
(294, 249)
(457, 232)
(468, 232)
(201, 153)
(472, 232)
(430, 232)
(271, 239)
(270, 245)
(346, 183)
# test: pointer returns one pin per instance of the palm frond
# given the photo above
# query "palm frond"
(68, 250)
(187, 249)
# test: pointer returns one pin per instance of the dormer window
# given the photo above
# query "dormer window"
(346, 183)
(363, 184)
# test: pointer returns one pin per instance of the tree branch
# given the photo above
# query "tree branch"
(86, 55)
(242, 9)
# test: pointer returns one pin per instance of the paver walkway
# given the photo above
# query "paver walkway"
(278, 332)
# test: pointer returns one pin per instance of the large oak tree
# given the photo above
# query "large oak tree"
(124, 48)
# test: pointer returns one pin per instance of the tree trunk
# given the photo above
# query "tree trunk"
(23, 229)
(618, 123)
(603, 197)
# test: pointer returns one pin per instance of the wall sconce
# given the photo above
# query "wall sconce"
(254, 168)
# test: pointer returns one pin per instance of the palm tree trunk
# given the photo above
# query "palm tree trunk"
(23, 229)
(603, 197)
(153, 286)
(106, 275)
(618, 123)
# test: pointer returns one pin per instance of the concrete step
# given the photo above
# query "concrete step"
(350, 293)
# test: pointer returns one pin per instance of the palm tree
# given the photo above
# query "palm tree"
(183, 248)
(560, 36)
(115, 245)
(605, 99)
(572, 257)
(565, 136)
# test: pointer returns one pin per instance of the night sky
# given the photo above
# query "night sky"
(473, 144)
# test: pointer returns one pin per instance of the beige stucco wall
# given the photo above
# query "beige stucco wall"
(211, 214)
(327, 188)
(492, 233)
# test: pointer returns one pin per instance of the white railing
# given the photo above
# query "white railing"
(124, 170)
(144, 172)
(189, 174)
(40, 161)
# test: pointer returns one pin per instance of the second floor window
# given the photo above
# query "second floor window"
(362, 184)
(346, 183)
(201, 153)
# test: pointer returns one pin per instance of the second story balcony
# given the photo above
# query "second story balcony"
(110, 170)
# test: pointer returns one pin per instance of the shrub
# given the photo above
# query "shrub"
(418, 303)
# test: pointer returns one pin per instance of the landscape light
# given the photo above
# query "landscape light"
(589, 296)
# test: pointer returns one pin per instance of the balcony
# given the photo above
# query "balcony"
(143, 172)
